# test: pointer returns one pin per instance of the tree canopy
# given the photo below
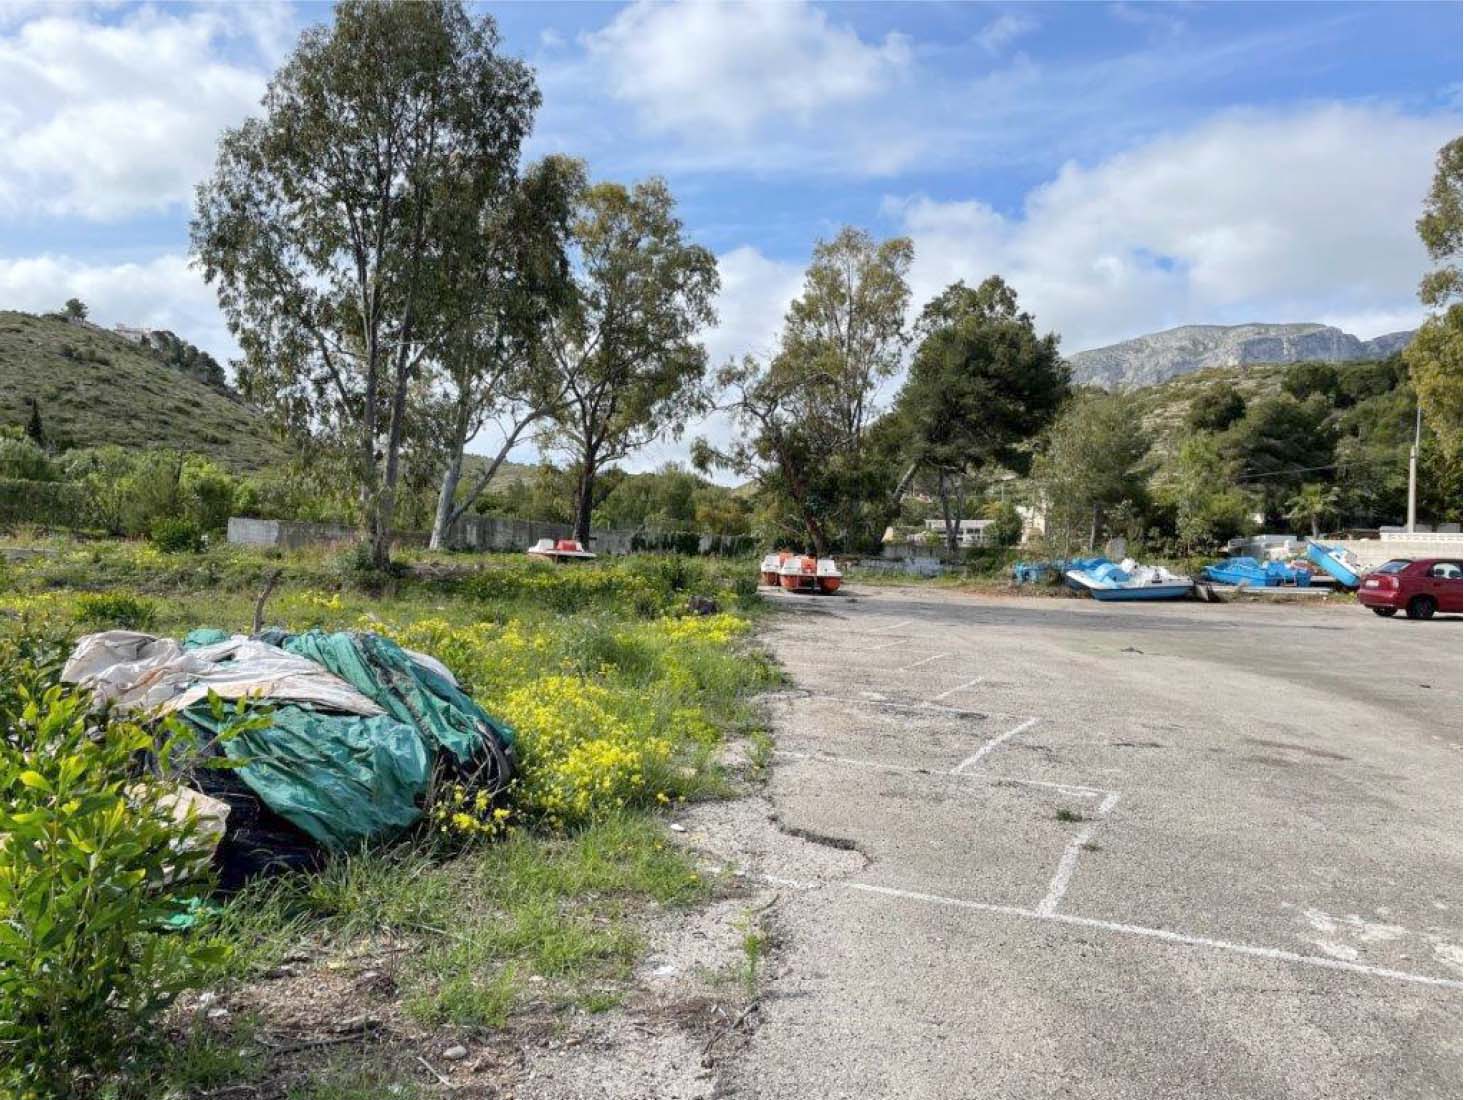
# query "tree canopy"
(804, 417)
(626, 350)
(328, 221)
(981, 385)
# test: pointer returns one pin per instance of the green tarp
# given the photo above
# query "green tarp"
(345, 779)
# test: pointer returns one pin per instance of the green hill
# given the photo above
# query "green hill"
(1164, 405)
(95, 388)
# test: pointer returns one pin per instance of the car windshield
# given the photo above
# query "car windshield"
(1394, 566)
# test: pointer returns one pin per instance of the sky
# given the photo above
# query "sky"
(1127, 167)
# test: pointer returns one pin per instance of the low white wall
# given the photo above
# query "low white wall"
(1373, 552)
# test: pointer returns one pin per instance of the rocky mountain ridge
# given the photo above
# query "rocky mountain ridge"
(1159, 356)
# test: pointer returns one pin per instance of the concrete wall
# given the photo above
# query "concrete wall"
(915, 567)
(499, 533)
(469, 533)
(1373, 552)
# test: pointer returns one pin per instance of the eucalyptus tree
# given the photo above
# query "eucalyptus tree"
(328, 220)
(806, 414)
(493, 365)
(625, 348)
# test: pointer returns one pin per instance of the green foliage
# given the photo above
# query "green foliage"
(806, 418)
(1279, 444)
(1088, 471)
(1304, 379)
(1216, 408)
(292, 262)
(94, 862)
(116, 609)
(23, 459)
(1006, 523)
(75, 308)
(1440, 229)
(631, 365)
(1434, 365)
(673, 499)
(1312, 504)
(52, 503)
(176, 535)
(982, 384)
(1209, 507)
(183, 356)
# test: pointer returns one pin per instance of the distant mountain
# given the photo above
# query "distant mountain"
(1145, 360)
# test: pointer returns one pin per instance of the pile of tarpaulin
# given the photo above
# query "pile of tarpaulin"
(358, 729)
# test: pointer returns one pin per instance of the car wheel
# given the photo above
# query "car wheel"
(1421, 607)
(1385, 612)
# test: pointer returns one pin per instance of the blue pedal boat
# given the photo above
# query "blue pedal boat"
(1257, 574)
(1337, 561)
(1130, 581)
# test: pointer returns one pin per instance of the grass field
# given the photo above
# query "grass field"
(444, 934)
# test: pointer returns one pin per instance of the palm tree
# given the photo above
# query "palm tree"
(1313, 503)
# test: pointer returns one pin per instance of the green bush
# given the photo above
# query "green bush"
(22, 459)
(52, 503)
(93, 865)
(174, 535)
(116, 609)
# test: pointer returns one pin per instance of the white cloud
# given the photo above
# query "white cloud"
(1249, 217)
(163, 292)
(688, 67)
(1003, 30)
(108, 119)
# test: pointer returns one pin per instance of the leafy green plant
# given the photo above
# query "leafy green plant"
(95, 860)
(116, 609)
(176, 535)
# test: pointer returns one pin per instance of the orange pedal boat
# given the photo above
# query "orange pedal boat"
(802, 573)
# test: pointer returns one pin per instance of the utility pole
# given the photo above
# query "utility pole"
(1413, 469)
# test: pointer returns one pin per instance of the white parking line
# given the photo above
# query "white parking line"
(1273, 953)
(992, 744)
(925, 661)
(1073, 789)
(959, 687)
(1069, 862)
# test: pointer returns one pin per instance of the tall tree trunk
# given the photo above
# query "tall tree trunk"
(584, 502)
(444, 517)
(1093, 530)
(945, 511)
(815, 535)
(452, 475)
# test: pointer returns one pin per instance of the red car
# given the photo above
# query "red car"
(1418, 588)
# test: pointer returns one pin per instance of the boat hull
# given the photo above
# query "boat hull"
(1146, 592)
(1318, 553)
(829, 585)
(799, 582)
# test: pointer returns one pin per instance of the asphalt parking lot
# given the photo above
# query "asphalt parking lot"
(1114, 851)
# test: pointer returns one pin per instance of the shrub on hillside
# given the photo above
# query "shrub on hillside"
(24, 459)
(176, 535)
